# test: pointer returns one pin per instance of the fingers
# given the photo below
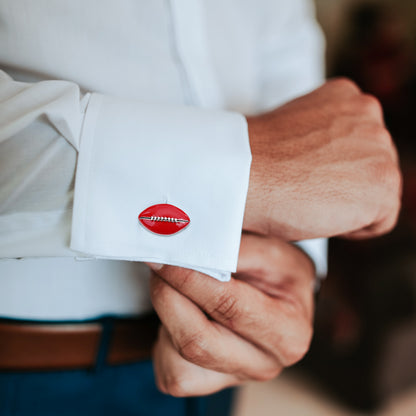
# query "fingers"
(204, 342)
(376, 229)
(277, 326)
(218, 334)
(387, 222)
(178, 377)
(277, 268)
(268, 256)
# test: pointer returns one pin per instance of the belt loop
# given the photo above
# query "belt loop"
(107, 324)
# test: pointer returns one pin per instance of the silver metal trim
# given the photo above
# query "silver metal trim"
(163, 219)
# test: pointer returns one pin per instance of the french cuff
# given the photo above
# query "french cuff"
(317, 250)
(133, 156)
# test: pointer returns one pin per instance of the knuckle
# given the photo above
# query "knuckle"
(370, 104)
(386, 174)
(184, 276)
(227, 307)
(177, 386)
(195, 349)
(380, 170)
(373, 132)
(273, 251)
(268, 374)
(382, 134)
(345, 84)
(296, 348)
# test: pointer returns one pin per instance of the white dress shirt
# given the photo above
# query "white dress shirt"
(107, 108)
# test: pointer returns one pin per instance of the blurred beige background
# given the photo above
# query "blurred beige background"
(292, 395)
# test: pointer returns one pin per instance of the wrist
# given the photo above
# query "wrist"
(256, 204)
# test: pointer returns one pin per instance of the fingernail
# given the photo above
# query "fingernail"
(155, 266)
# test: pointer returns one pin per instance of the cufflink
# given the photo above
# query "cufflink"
(164, 219)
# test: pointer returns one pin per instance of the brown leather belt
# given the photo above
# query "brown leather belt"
(44, 346)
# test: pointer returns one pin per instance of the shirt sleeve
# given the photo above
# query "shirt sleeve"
(76, 170)
(292, 50)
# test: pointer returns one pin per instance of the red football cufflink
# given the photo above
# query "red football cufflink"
(164, 219)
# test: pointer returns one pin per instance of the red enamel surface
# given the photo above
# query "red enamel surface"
(164, 211)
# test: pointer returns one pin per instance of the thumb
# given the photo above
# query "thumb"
(176, 276)
(189, 282)
(156, 267)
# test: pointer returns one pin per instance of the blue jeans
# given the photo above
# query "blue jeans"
(122, 390)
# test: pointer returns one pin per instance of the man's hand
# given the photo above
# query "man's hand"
(323, 165)
(215, 334)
